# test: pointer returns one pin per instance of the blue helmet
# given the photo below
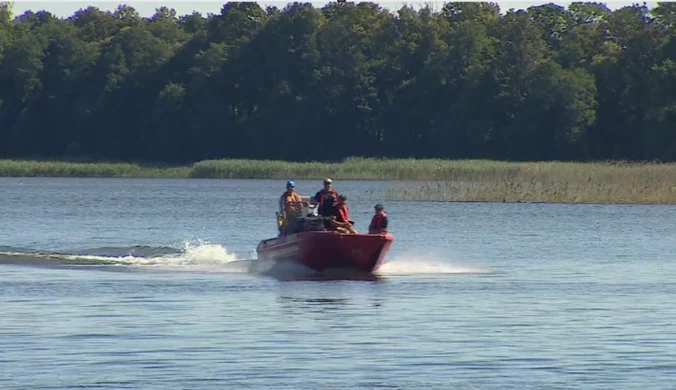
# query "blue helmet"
(290, 184)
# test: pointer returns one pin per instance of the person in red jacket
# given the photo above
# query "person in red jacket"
(326, 199)
(341, 218)
(379, 221)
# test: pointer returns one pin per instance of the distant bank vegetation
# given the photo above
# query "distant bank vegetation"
(431, 179)
(463, 80)
(464, 83)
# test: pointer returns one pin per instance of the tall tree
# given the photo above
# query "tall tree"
(307, 83)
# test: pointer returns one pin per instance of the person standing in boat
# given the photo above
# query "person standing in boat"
(290, 206)
(326, 199)
(379, 221)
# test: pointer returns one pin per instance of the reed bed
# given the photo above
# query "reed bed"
(353, 168)
(18, 168)
(553, 182)
(431, 180)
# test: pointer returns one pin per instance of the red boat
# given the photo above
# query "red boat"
(323, 250)
(317, 248)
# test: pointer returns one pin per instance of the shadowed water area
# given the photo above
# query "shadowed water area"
(154, 284)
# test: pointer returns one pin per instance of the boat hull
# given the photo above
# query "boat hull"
(326, 250)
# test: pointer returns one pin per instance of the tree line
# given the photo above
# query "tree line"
(304, 83)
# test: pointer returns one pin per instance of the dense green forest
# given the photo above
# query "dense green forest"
(462, 80)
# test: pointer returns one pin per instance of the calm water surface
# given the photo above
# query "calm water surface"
(153, 284)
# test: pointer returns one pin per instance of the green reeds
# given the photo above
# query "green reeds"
(552, 182)
(441, 180)
(353, 168)
(19, 168)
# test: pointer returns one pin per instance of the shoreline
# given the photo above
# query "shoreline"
(416, 180)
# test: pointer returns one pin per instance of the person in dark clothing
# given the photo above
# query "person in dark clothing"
(326, 199)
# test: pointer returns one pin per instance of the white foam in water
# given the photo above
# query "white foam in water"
(195, 256)
(208, 257)
(417, 264)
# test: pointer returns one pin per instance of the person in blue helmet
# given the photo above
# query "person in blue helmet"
(290, 206)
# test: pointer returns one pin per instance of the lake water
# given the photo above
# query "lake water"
(151, 284)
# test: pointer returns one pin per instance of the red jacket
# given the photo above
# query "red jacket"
(342, 214)
(378, 223)
(321, 194)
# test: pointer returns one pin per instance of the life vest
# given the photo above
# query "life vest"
(289, 199)
(342, 214)
(377, 222)
(322, 196)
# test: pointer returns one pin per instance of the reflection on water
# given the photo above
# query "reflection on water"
(326, 276)
(329, 278)
(326, 304)
(288, 271)
(315, 301)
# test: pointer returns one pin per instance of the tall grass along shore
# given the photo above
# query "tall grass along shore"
(433, 180)
(21, 168)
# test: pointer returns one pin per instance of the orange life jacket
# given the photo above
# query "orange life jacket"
(290, 199)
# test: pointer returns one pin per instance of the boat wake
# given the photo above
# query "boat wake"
(214, 258)
(194, 256)
(418, 264)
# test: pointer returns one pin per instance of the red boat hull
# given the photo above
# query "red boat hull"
(323, 250)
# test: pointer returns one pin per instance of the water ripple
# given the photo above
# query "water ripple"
(116, 294)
